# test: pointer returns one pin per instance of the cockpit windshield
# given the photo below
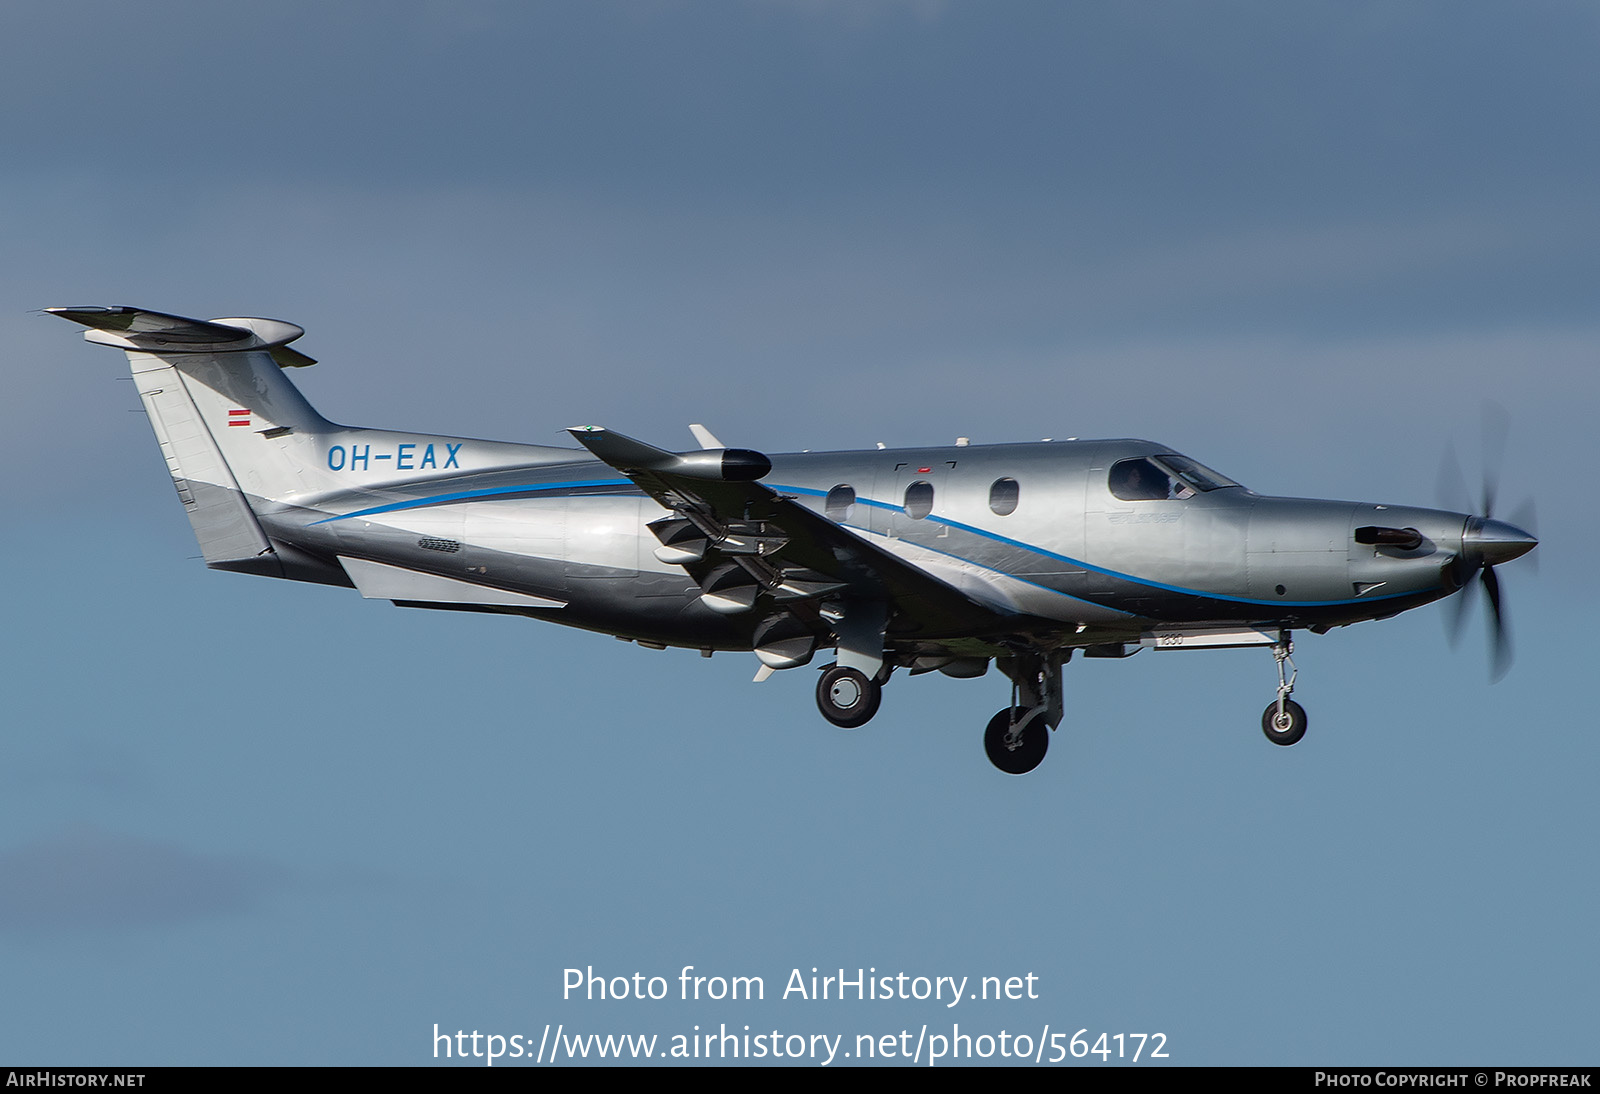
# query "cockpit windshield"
(1197, 475)
(1165, 477)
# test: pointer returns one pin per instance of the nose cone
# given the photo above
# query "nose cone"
(1495, 541)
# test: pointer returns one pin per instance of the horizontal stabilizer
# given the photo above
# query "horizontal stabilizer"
(379, 581)
(290, 358)
(158, 332)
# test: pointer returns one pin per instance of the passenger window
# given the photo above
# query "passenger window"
(840, 500)
(919, 500)
(1003, 497)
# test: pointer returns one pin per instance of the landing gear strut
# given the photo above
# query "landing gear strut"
(847, 698)
(1017, 738)
(1284, 721)
(851, 688)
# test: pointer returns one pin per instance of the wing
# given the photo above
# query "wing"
(751, 548)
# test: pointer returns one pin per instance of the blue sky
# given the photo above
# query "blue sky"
(245, 821)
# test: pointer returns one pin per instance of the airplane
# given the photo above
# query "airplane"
(924, 559)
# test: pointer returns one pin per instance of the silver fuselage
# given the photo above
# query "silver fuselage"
(1070, 554)
(965, 552)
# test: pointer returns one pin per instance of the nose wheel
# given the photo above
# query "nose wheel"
(1284, 723)
(847, 698)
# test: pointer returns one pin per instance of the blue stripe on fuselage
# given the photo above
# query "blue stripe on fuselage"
(504, 491)
(1180, 590)
(475, 495)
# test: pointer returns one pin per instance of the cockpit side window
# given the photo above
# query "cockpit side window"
(1141, 480)
(1163, 477)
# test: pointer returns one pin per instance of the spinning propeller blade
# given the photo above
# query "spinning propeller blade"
(1499, 636)
(1486, 542)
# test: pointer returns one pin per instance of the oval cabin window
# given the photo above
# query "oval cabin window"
(1003, 497)
(919, 500)
(840, 500)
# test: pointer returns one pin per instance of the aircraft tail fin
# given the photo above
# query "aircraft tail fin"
(248, 454)
(224, 415)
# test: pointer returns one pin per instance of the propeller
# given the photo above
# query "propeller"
(1486, 542)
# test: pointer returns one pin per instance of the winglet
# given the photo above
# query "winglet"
(704, 437)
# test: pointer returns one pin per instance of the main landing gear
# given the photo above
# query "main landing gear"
(1284, 720)
(847, 697)
(1015, 742)
(851, 688)
(1017, 738)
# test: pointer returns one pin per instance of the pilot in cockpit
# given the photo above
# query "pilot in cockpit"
(1139, 480)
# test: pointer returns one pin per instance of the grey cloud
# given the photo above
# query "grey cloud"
(90, 879)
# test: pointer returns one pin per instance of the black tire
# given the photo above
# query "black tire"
(1290, 728)
(847, 698)
(1028, 754)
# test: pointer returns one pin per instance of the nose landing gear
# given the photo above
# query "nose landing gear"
(1284, 720)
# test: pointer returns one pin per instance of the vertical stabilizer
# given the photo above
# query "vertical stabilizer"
(223, 413)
